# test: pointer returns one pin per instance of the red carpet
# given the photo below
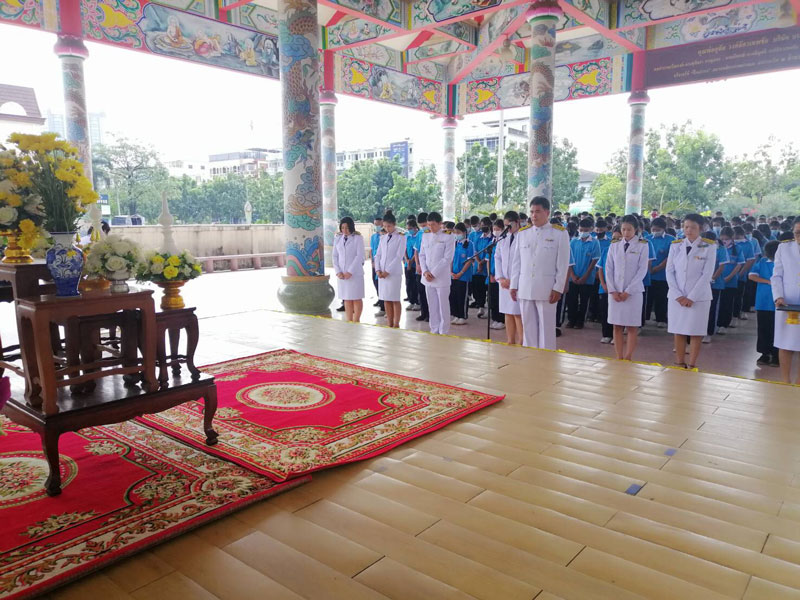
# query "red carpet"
(285, 413)
(125, 487)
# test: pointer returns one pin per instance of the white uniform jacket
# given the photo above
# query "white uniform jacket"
(539, 261)
(436, 257)
(348, 254)
(502, 257)
(625, 270)
(689, 274)
(389, 257)
(786, 275)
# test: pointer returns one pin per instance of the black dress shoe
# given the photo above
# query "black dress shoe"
(378, 303)
(558, 332)
(570, 325)
(421, 318)
(340, 309)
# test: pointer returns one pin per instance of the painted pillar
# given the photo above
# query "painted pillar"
(330, 202)
(449, 191)
(543, 17)
(633, 195)
(638, 102)
(72, 52)
(305, 287)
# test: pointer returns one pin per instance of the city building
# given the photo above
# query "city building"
(194, 169)
(487, 134)
(56, 123)
(19, 111)
(585, 183)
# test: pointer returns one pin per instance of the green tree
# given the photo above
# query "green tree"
(357, 191)
(515, 176)
(608, 192)
(132, 169)
(477, 170)
(411, 196)
(566, 175)
(266, 195)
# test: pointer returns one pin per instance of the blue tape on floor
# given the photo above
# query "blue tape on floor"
(670, 451)
(634, 489)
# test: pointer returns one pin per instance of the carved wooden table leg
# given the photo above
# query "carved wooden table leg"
(174, 344)
(50, 447)
(161, 358)
(209, 410)
(192, 337)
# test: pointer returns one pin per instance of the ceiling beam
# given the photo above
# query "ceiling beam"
(337, 16)
(421, 38)
(693, 13)
(230, 7)
(611, 34)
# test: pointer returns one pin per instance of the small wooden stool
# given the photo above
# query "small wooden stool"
(171, 322)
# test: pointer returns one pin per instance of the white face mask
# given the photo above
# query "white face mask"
(658, 234)
(497, 233)
(460, 237)
(585, 235)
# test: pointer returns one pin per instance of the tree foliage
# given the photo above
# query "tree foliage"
(566, 175)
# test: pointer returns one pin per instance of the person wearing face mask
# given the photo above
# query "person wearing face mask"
(775, 229)
(785, 282)
(657, 295)
(749, 297)
(422, 223)
(604, 240)
(412, 233)
(462, 275)
(728, 280)
(765, 306)
(436, 260)
(744, 246)
(478, 285)
(717, 223)
(717, 285)
(585, 254)
(606, 327)
(374, 242)
(496, 317)
(502, 262)
(627, 263)
(389, 268)
(690, 267)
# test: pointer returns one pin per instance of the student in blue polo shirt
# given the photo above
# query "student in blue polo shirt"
(607, 328)
(412, 291)
(717, 285)
(585, 253)
(374, 242)
(744, 246)
(765, 306)
(657, 294)
(462, 275)
(730, 277)
(603, 237)
(646, 281)
(479, 266)
(422, 223)
(749, 297)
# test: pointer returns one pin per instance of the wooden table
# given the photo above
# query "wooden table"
(35, 315)
(112, 401)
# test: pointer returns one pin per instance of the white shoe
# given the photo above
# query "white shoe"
(707, 339)
(722, 331)
(410, 307)
(417, 307)
(380, 313)
(743, 316)
(606, 340)
(453, 320)
(497, 325)
(661, 325)
(460, 322)
(482, 313)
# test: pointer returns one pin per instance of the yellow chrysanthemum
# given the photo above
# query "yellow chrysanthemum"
(27, 226)
(174, 261)
(13, 200)
(170, 272)
(157, 259)
(19, 178)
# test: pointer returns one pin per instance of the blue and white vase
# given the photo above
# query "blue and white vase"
(65, 262)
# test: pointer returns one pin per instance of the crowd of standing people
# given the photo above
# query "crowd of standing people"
(698, 276)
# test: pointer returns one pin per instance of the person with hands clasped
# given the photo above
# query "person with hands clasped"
(348, 265)
(626, 264)
(539, 264)
(436, 260)
(462, 275)
(786, 291)
(389, 269)
(690, 267)
(502, 263)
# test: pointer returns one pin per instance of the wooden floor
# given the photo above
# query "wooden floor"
(594, 480)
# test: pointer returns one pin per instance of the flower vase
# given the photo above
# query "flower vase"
(119, 282)
(65, 262)
(94, 284)
(14, 253)
(172, 299)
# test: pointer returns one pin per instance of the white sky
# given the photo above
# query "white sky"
(186, 110)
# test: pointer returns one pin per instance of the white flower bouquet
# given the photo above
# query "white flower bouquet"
(112, 257)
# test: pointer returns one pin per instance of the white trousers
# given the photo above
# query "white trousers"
(439, 308)
(538, 324)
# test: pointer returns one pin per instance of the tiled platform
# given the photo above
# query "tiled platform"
(594, 480)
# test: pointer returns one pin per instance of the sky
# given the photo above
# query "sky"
(188, 111)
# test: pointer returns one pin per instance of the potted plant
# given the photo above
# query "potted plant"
(21, 209)
(170, 272)
(113, 258)
(53, 173)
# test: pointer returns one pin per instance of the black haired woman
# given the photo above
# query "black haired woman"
(389, 268)
(348, 265)
(690, 267)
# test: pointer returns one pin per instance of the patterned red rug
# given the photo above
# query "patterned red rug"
(125, 487)
(285, 413)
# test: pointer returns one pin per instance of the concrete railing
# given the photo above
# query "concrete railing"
(237, 261)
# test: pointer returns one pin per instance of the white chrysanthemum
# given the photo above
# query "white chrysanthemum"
(116, 263)
(6, 186)
(8, 215)
(121, 247)
(187, 271)
(157, 268)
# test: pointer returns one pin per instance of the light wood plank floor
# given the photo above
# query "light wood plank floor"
(593, 480)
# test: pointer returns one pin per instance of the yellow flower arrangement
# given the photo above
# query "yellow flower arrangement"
(160, 267)
(21, 209)
(47, 168)
(170, 272)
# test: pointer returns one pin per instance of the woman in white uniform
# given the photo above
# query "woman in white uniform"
(627, 263)
(348, 265)
(690, 267)
(502, 272)
(389, 269)
(786, 291)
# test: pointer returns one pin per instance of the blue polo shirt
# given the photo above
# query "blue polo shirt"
(661, 249)
(604, 243)
(583, 253)
(735, 259)
(374, 242)
(601, 264)
(722, 259)
(411, 243)
(756, 251)
(652, 251)
(460, 258)
(480, 244)
(764, 301)
(745, 248)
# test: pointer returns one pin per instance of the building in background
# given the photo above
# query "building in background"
(198, 170)
(487, 134)
(585, 183)
(56, 123)
(251, 162)
(19, 111)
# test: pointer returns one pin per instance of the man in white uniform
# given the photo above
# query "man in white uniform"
(436, 262)
(539, 265)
